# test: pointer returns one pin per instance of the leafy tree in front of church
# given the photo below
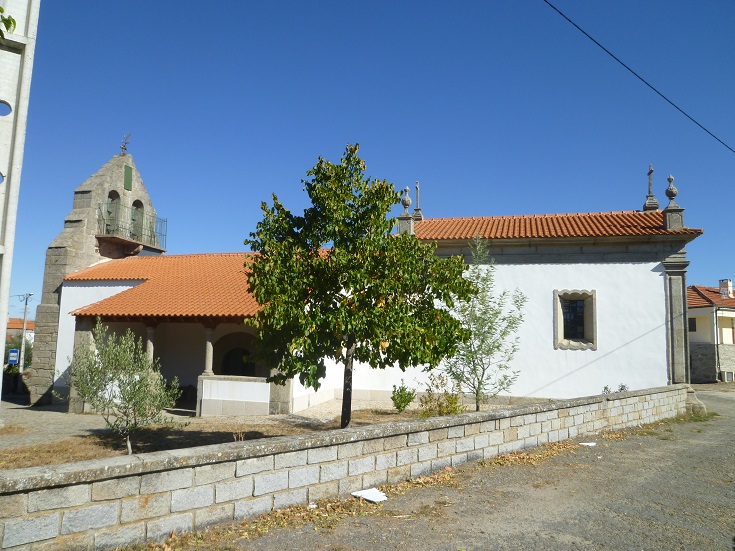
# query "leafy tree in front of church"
(335, 284)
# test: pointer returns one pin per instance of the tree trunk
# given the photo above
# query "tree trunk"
(130, 448)
(347, 387)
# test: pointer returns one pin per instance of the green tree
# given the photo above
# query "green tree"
(6, 21)
(13, 343)
(119, 381)
(334, 283)
(481, 364)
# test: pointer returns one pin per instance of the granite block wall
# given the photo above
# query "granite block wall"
(104, 504)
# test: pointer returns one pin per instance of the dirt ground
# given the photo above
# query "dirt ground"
(47, 435)
(671, 486)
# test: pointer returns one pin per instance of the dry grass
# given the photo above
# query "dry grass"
(199, 433)
(53, 453)
(652, 429)
(535, 456)
(324, 514)
(12, 430)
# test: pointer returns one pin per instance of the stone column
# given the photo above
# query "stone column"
(208, 350)
(150, 336)
(677, 330)
(208, 371)
(281, 398)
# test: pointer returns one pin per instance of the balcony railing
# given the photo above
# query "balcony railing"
(131, 224)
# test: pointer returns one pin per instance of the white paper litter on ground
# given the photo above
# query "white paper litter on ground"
(373, 495)
(590, 444)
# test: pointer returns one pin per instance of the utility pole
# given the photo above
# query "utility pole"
(22, 360)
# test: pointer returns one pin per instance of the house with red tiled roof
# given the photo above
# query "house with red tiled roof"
(15, 327)
(606, 306)
(711, 324)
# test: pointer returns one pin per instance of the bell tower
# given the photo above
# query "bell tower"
(112, 217)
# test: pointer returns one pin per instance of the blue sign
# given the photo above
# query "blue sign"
(13, 355)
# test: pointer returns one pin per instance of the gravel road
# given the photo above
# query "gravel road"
(671, 490)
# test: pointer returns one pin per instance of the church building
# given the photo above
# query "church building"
(606, 300)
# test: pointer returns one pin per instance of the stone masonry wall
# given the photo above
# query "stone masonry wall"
(108, 503)
(727, 357)
(703, 362)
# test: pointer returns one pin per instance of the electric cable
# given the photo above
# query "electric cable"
(644, 81)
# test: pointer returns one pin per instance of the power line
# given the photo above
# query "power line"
(643, 80)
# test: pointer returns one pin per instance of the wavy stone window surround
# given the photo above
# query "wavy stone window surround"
(586, 339)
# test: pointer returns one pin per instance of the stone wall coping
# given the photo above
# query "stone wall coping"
(32, 478)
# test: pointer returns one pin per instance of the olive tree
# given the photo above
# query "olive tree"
(481, 364)
(335, 283)
(119, 381)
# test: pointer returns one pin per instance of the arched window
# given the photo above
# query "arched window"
(136, 216)
(112, 213)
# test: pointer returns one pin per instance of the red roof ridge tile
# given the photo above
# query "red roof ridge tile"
(543, 215)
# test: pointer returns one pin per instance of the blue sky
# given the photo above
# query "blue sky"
(497, 108)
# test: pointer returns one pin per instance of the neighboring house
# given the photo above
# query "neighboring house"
(606, 306)
(15, 328)
(711, 326)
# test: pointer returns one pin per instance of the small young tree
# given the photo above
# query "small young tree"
(120, 382)
(481, 365)
(335, 283)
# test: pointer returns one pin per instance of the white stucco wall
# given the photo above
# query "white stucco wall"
(75, 294)
(631, 329)
(181, 349)
(631, 333)
(245, 389)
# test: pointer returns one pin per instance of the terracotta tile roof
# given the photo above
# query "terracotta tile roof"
(17, 323)
(598, 224)
(699, 296)
(215, 285)
(177, 286)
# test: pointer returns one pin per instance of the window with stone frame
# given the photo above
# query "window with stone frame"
(575, 320)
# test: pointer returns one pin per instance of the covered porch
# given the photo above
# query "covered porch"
(212, 358)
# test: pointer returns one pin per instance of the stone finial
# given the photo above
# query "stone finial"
(651, 202)
(673, 213)
(124, 144)
(417, 215)
(671, 192)
(405, 201)
(405, 220)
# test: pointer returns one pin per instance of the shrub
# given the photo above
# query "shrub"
(621, 388)
(442, 397)
(402, 396)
